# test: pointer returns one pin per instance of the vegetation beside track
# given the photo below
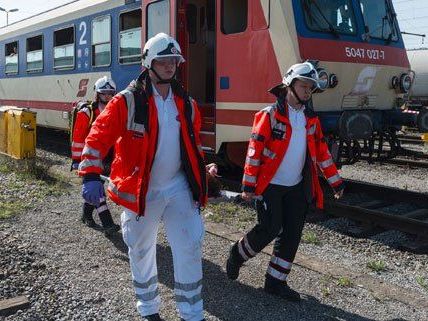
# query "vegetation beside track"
(26, 182)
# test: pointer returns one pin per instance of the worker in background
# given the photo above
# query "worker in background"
(84, 114)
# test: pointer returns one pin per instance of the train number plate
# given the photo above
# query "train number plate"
(372, 54)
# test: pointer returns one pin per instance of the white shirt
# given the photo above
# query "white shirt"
(289, 172)
(166, 169)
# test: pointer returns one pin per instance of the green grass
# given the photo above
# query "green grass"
(311, 238)
(377, 265)
(9, 209)
(27, 180)
(344, 281)
(423, 282)
(231, 214)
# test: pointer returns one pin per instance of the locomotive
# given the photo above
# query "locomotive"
(235, 51)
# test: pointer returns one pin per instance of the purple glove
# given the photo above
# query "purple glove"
(92, 191)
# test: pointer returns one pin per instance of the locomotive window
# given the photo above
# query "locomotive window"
(379, 20)
(101, 41)
(130, 37)
(334, 16)
(35, 54)
(64, 48)
(234, 16)
(157, 18)
(192, 18)
(11, 65)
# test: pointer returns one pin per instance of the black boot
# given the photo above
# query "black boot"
(234, 262)
(109, 227)
(87, 218)
(153, 317)
(280, 288)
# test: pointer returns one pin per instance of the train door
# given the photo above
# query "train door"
(196, 34)
(192, 23)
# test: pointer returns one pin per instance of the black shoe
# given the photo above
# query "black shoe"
(89, 222)
(87, 215)
(234, 263)
(153, 317)
(111, 229)
(181, 319)
(281, 289)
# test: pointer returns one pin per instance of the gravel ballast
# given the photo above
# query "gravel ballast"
(71, 272)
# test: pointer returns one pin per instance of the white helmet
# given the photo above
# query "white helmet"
(303, 71)
(158, 46)
(105, 85)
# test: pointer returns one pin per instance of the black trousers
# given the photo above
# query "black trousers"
(281, 216)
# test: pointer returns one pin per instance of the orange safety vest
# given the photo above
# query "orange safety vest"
(81, 128)
(269, 142)
(130, 122)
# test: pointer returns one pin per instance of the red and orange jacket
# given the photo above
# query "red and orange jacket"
(130, 123)
(81, 128)
(269, 142)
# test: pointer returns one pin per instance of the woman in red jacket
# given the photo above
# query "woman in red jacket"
(286, 149)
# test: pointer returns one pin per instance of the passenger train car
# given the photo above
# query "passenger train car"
(234, 50)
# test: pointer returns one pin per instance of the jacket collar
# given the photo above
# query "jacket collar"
(281, 104)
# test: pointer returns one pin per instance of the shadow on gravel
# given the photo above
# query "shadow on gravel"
(53, 140)
(233, 301)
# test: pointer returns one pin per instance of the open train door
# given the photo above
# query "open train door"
(192, 23)
(195, 31)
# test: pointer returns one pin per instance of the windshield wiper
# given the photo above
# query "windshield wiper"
(391, 16)
(309, 11)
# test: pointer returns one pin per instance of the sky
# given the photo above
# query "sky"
(412, 15)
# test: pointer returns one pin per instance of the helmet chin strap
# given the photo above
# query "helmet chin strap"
(302, 102)
(165, 81)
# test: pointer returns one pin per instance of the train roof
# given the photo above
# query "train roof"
(66, 12)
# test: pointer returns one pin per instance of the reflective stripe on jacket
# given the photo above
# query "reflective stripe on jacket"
(80, 131)
(130, 122)
(270, 137)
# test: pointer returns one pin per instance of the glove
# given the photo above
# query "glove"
(92, 191)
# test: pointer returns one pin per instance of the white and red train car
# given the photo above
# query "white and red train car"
(235, 51)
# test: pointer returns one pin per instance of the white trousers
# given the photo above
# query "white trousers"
(185, 231)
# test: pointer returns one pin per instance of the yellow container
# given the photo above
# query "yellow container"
(3, 129)
(20, 132)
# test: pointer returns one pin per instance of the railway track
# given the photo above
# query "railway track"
(372, 204)
(382, 206)
(375, 206)
(410, 139)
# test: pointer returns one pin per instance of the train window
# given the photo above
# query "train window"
(101, 41)
(158, 18)
(379, 20)
(130, 37)
(64, 48)
(234, 16)
(334, 16)
(35, 54)
(192, 18)
(11, 65)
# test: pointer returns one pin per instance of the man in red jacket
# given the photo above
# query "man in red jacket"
(286, 149)
(158, 174)
(105, 89)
